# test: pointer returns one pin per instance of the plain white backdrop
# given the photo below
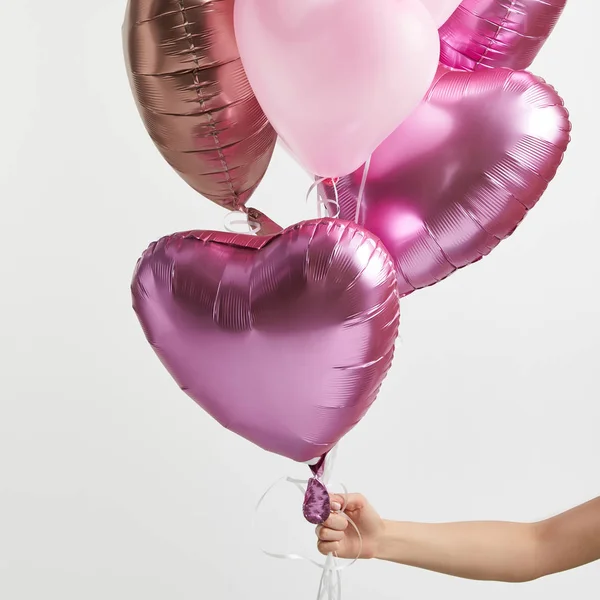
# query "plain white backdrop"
(113, 484)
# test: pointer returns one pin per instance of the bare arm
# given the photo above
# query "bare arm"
(498, 551)
(486, 550)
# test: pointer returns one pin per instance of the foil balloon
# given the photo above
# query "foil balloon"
(317, 504)
(336, 78)
(460, 174)
(194, 97)
(498, 33)
(284, 340)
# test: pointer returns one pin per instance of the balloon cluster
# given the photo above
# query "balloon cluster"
(421, 127)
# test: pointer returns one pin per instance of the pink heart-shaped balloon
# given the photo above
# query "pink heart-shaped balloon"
(483, 34)
(460, 174)
(285, 339)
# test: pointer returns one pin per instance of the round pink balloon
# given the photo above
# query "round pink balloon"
(336, 78)
(286, 339)
(459, 175)
(440, 9)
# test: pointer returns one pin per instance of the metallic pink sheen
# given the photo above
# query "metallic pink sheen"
(317, 505)
(498, 33)
(285, 340)
(460, 174)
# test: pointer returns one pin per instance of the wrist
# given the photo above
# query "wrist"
(386, 541)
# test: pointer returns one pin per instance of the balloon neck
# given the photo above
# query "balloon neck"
(263, 225)
(317, 465)
(317, 505)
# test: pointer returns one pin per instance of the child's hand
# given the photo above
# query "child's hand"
(337, 535)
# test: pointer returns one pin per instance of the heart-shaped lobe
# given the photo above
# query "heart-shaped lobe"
(484, 34)
(284, 340)
(460, 174)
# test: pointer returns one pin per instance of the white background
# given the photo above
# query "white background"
(113, 484)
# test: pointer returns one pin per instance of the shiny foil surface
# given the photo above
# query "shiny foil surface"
(483, 34)
(284, 340)
(194, 98)
(461, 173)
(316, 507)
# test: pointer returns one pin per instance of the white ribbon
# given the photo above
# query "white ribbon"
(361, 191)
(323, 203)
(229, 222)
(330, 586)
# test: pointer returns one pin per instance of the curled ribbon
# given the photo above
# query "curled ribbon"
(257, 222)
(323, 204)
(330, 586)
(235, 218)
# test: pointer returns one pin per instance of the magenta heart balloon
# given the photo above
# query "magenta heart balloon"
(460, 174)
(285, 340)
(484, 34)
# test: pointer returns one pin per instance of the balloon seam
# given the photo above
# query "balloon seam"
(494, 40)
(202, 102)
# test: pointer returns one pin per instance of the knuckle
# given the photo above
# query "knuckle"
(327, 547)
(322, 548)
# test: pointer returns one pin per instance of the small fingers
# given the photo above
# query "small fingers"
(326, 548)
(329, 535)
(336, 521)
(337, 502)
(349, 502)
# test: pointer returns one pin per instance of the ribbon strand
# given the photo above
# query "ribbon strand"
(240, 219)
(324, 203)
(361, 191)
(330, 586)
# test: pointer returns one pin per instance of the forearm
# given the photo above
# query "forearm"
(479, 550)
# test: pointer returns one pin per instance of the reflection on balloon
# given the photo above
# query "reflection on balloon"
(485, 34)
(460, 174)
(286, 339)
(194, 98)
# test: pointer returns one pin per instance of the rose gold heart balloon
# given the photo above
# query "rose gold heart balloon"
(285, 340)
(194, 98)
(460, 173)
(498, 33)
